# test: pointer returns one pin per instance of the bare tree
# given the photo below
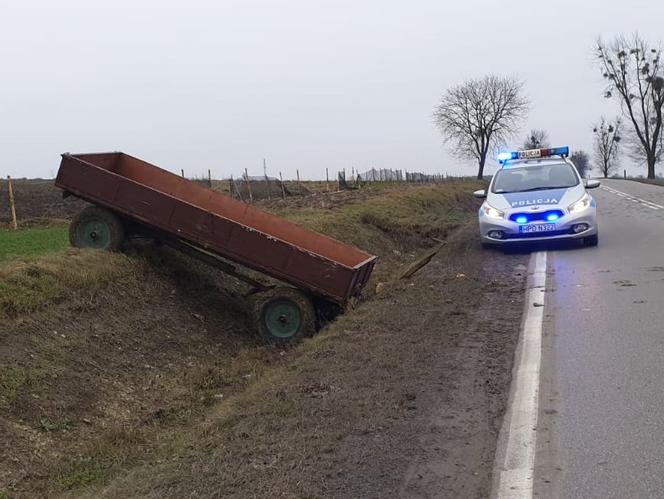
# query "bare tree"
(537, 139)
(634, 72)
(607, 145)
(478, 115)
(581, 161)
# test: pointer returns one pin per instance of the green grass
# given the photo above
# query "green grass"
(33, 242)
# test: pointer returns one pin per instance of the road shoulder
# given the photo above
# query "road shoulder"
(404, 396)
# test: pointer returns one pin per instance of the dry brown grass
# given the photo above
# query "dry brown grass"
(205, 374)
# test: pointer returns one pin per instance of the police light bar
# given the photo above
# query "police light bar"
(533, 154)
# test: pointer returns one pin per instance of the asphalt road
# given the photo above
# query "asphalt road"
(600, 431)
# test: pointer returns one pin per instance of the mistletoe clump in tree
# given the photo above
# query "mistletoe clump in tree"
(607, 145)
(537, 139)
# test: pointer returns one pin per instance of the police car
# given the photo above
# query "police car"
(537, 195)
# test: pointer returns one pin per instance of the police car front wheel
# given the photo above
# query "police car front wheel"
(591, 240)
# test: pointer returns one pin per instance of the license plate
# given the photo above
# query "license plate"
(529, 229)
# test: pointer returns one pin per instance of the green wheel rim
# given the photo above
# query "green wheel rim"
(282, 318)
(94, 234)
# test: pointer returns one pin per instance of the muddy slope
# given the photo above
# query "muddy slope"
(153, 348)
(405, 397)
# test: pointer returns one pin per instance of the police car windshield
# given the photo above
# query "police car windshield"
(534, 178)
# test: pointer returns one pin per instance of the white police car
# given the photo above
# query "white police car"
(537, 195)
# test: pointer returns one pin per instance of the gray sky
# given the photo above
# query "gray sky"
(307, 84)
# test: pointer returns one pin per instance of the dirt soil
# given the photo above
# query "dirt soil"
(99, 372)
(36, 200)
(402, 398)
(39, 199)
(153, 387)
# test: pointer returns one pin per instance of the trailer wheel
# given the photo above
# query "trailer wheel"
(284, 316)
(97, 228)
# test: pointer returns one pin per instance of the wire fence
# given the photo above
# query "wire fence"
(387, 175)
(252, 187)
(29, 199)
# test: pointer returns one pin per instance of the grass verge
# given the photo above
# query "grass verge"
(32, 242)
(651, 181)
(27, 286)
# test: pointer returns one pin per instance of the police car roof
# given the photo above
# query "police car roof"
(513, 163)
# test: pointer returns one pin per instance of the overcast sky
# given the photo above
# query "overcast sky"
(307, 84)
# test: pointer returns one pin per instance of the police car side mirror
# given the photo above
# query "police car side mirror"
(592, 184)
(481, 194)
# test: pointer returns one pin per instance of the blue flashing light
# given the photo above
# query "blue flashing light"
(552, 217)
(521, 219)
(559, 151)
(505, 156)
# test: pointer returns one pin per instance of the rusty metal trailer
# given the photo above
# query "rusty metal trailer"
(130, 196)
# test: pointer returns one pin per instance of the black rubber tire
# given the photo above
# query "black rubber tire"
(292, 298)
(591, 240)
(96, 214)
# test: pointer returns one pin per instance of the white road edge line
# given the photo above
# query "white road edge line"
(515, 463)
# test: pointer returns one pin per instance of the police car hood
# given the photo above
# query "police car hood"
(549, 198)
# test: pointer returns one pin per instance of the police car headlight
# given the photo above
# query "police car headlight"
(491, 212)
(580, 205)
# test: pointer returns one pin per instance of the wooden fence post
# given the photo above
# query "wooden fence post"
(210, 178)
(327, 180)
(182, 171)
(269, 194)
(12, 205)
(246, 179)
(238, 191)
(283, 190)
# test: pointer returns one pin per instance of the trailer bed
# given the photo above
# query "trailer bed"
(215, 222)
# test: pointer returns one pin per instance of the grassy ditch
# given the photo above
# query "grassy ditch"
(394, 223)
(340, 416)
(111, 359)
(29, 284)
